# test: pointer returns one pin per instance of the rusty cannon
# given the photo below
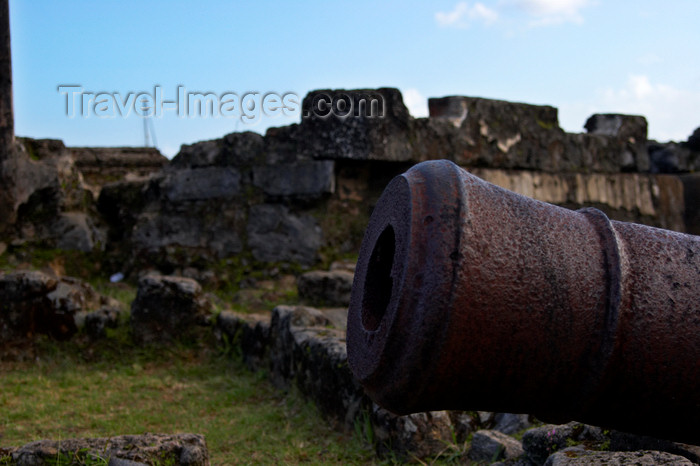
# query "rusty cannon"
(471, 297)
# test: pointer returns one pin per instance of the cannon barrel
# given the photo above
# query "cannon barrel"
(471, 297)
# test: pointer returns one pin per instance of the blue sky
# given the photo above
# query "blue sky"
(582, 56)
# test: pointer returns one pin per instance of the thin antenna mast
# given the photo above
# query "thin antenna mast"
(149, 131)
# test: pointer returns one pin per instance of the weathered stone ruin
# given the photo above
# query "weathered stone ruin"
(297, 199)
(300, 195)
(39, 303)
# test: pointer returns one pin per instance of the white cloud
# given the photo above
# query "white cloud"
(483, 13)
(416, 103)
(537, 12)
(640, 86)
(549, 12)
(454, 17)
(463, 14)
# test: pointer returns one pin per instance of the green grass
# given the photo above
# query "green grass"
(108, 387)
(73, 392)
(122, 292)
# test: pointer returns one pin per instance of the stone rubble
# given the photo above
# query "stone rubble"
(492, 445)
(123, 450)
(33, 302)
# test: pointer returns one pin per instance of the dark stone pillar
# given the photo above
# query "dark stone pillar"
(7, 125)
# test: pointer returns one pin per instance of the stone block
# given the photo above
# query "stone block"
(322, 288)
(233, 150)
(249, 333)
(276, 234)
(168, 309)
(125, 450)
(541, 442)
(578, 456)
(77, 231)
(201, 184)
(306, 179)
(492, 445)
(359, 124)
(617, 125)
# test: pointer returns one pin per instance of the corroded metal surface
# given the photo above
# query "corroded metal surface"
(468, 296)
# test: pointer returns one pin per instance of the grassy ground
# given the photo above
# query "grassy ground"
(77, 391)
(106, 388)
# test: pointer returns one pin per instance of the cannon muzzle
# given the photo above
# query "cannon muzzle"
(468, 296)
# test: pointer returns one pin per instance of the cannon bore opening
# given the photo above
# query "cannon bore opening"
(378, 281)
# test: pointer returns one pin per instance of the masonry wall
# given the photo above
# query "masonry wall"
(301, 194)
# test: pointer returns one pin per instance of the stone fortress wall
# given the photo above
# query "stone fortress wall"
(301, 194)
